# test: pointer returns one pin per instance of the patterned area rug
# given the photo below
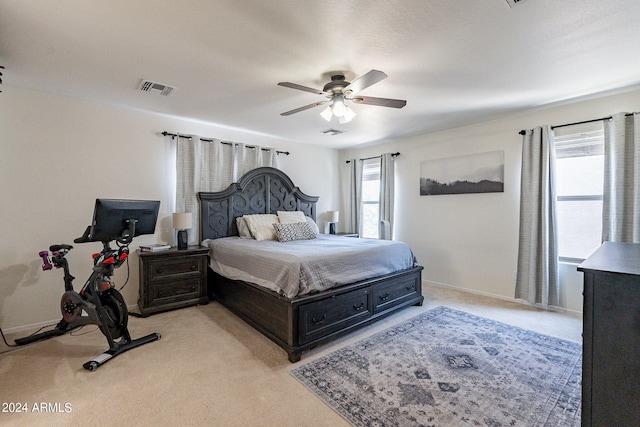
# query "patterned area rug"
(449, 368)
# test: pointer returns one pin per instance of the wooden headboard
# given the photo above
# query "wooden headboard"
(260, 191)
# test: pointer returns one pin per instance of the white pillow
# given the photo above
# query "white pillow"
(243, 229)
(261, 226)
(289, 217)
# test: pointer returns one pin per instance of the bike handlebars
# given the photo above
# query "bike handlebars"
(108, 258)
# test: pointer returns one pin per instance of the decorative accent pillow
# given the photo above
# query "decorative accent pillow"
(294, 231)
(261, 226)
(313, 225)
(243, 229)
(288, 217)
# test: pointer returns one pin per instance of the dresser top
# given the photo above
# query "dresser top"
(614, 257)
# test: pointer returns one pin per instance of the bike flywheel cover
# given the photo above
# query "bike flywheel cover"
(70, 306)
(116, 309)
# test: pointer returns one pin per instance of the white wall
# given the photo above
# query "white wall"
(470, 241)
(57, 155)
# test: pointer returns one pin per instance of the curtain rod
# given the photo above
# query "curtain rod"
(375, 157)
(177, 135)
(522, 132)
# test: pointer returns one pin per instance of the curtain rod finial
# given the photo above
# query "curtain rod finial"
(523, 132)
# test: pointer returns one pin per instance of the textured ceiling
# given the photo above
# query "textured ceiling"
(455, 62)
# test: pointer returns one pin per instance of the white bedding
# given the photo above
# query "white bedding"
(303, 266)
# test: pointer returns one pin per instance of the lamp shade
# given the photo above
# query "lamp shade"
(349, 114)
(333, 216)
(182, 220)
(327, 113)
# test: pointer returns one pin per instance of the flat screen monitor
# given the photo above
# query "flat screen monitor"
(112, 219)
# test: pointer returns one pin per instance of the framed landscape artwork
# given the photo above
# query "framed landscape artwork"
(476, 173)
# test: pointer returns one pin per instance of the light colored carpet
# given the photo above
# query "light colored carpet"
(209, 368)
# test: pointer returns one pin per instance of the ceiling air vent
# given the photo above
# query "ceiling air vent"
(149, 86)
(333, 131)
(513, 3)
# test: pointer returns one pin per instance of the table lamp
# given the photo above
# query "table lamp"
(332, 218)
(182, 221)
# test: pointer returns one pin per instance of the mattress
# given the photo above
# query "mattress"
(305, 266)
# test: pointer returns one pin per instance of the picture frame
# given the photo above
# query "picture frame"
(474, 173)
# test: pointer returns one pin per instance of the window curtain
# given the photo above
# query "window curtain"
(212, 165)
(387, 182)
(354, 194)
(537, 274)
(249, 157)
(621, 195)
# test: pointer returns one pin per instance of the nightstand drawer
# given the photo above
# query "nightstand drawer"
(170, 292)
(161, 269)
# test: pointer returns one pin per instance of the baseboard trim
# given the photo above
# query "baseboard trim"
(52, 323)
(502, 297)
(32, 327)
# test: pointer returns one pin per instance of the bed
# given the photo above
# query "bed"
(298, 316)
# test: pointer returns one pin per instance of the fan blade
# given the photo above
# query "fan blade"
(383, 102)
(363, 82)
(306, 107)
(300, 87)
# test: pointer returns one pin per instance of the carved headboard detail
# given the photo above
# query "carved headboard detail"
(260, 191)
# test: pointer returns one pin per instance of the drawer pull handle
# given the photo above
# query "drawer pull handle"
(193, 288)
(409, 287)
(194, 267)
(319, 321)
(159, 271)
(358, 307)
(384, 297)
(160, 293)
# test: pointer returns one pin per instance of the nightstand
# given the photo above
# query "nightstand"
(348, 234)
(172, 279)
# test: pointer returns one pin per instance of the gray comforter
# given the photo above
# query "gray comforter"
(303, 266)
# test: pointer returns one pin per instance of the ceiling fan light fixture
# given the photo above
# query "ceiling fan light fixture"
(327, 113)
(339, 107)
(349, 114)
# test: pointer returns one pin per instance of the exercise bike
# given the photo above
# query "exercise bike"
(98, 302)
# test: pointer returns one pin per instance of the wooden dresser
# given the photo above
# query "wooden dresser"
(611, 336)
(172, 279)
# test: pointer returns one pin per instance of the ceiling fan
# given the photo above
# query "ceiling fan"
(338, 90)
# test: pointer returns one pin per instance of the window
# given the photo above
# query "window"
(370, 198)
(579, 186)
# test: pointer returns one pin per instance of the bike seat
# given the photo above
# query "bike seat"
(56, 248)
